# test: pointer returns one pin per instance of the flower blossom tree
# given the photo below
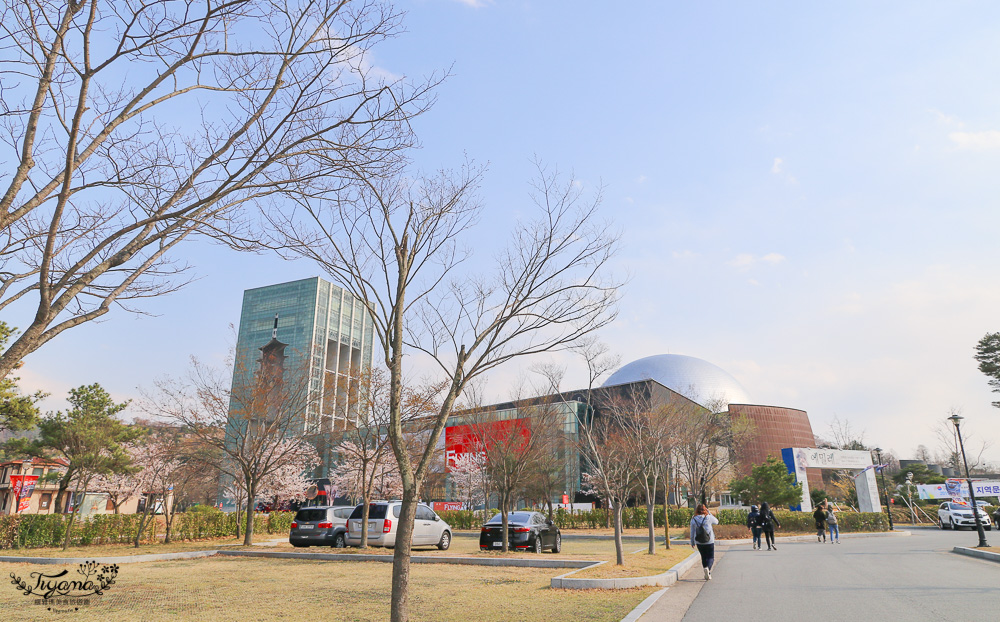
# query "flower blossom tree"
(469, 479)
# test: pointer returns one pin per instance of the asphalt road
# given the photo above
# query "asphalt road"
(887, 578)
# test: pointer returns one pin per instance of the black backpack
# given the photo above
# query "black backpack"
(701, 534)
(764, 520)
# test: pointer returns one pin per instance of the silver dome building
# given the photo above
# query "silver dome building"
(695, 379)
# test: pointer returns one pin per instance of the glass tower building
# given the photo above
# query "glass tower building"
(328, 335)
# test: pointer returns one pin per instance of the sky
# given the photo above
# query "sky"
(807, 196)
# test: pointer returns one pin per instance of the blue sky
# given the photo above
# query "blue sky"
(807, 194)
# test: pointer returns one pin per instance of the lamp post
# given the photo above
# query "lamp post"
(885, 491)
(957, 420)
(909, 496)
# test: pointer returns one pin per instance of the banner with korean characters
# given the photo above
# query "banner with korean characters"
(982, 488)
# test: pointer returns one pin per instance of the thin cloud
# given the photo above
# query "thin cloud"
(980, 141)
(745, 261)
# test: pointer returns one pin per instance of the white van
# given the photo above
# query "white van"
(383, 520)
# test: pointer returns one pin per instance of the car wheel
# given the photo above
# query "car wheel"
(988, 527)
(339, 542)
(538, 544)
(951, 525)
(445, 541)
(557, 547)
(940, 524)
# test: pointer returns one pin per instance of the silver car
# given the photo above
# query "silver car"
(320, 526)
(383, 521)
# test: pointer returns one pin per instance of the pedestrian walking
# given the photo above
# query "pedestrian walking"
(753, 524)
(703, 538)
(820, 517)
(831, 522)
(767, 524)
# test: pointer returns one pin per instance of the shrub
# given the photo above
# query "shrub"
(43, 530)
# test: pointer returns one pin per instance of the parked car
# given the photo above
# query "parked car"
(953, 515)
(383, 521)
(320, 525)
(530, 531)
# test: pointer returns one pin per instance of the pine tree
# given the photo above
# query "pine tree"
(770, 482)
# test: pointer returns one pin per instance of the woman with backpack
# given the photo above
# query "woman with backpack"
(753, 524)
(820, 517)
(703, 538)
(767, 523)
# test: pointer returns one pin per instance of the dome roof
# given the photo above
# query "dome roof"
(695, 379)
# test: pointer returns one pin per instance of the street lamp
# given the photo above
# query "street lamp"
(909, 496)
(956, 419)
(885, 491)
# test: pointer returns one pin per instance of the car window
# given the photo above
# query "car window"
(375, 511)
(960, 506)
(513, 517)
(395, 510)
(311, 515)
(342, 512)
(424, 513)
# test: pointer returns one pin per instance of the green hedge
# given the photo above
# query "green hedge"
(41, 530)
(218, 524)
(635, 518)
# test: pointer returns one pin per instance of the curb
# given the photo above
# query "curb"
(128, 559)
(898, 533)
(418, 559)
(666, 579)
(971, 552)
(644, 606)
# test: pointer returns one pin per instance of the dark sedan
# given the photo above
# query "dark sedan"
(526, 531)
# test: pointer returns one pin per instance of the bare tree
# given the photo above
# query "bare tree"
(949, 449)
(252, 422)
(395, 243)
(649, 428)
(845, 436)
(610, 467)
(513, 451)
(131, 126)
(708, 442)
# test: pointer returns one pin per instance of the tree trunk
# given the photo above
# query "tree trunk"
(649, 523)
(364, 522)
(505, 547)
(666, 508)
(72, 516)
(248, 531)
(168, 518)
(619, 554)
(399, 603)
(142, 522)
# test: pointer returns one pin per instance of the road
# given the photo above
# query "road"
(885, 578)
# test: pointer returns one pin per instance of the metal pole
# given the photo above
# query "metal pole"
(885, 491)
(972, 492)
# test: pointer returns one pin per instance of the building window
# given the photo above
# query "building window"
(37, 471)
(45, 501)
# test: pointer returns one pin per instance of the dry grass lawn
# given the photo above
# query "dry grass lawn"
(220, 588)
(121, 550)
(638, 564)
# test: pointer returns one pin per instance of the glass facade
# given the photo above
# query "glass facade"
(329, 336)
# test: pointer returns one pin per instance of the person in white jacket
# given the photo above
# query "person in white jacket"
(703, 538)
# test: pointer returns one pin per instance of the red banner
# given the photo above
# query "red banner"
(441, 506)
(464, 439)
(22, 486)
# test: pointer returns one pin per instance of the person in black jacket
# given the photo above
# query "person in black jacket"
(820, 517)
(767, 523)
(753, 524)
